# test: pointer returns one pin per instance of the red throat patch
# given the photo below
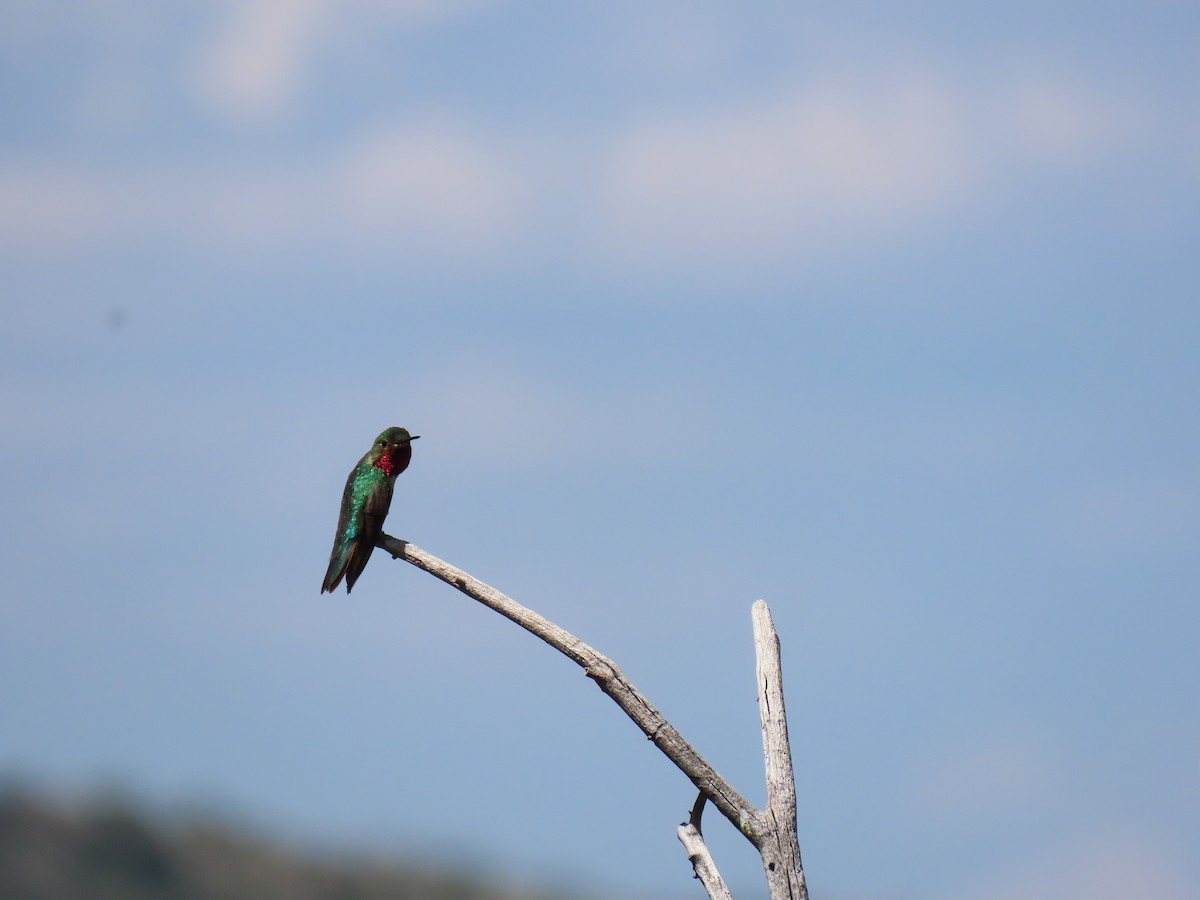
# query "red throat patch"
(394, 461)
(387, 463)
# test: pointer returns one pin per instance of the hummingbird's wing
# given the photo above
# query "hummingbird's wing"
(374, 511)
(349, 527)
(344, 542)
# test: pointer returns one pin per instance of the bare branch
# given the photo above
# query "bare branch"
(697, 850)
(773, 831)
(781, 850)
(608, 677)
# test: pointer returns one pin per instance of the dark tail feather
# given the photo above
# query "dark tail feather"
(357, 562)
(338, 562)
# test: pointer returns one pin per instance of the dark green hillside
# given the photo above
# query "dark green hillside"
(111, 851)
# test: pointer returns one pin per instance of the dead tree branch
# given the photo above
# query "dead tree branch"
(781, 852)
(699, 856)
(767, 830)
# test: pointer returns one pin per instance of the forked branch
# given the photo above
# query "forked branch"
(768, 831)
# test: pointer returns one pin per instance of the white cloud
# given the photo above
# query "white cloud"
(403, 191)
(824, 158)
(836, 165)
(431, 181)
(844, 162)
(257, 64)
(45, 205)
(1059, 118)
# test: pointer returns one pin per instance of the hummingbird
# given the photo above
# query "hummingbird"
(365, 503)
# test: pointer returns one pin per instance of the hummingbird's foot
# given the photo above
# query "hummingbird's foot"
(392, 545)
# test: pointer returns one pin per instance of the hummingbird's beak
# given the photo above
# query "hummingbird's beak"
(413, 437)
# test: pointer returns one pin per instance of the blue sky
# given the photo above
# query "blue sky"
(885, 313)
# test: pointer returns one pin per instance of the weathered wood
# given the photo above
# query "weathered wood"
(780, 848)
(607, 676)
(773, 831)
(699, 856)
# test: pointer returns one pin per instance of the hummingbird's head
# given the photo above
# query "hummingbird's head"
(394, 438)
(392, 450)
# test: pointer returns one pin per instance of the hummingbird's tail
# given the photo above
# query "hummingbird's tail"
(338, 561)
(348, 561)
(357, 561)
